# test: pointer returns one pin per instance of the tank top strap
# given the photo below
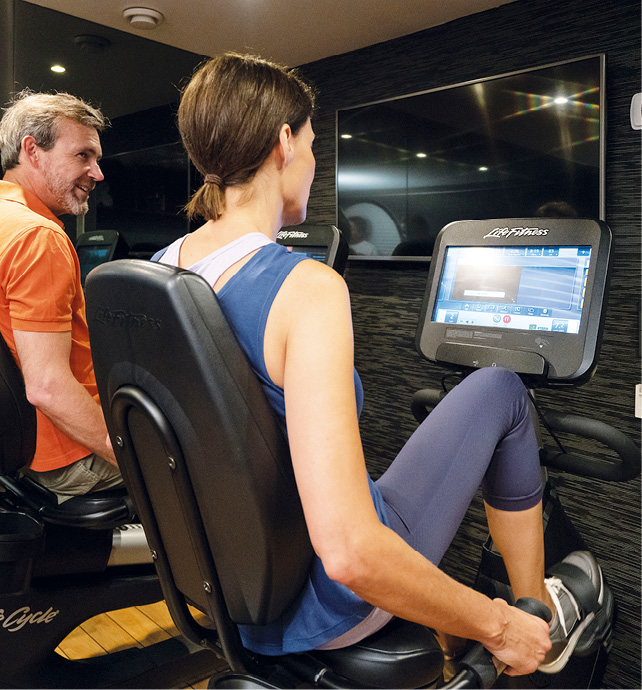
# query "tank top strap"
(212, 266)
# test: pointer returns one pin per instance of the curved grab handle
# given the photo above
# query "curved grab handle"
(424, 398)
(478, 670)
(627, 467)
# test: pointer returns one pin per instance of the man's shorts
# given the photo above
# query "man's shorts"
(91, 473)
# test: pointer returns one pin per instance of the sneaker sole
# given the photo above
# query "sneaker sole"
(558, 664)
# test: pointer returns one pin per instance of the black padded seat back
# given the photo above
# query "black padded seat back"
(17, 416)
(202, 453)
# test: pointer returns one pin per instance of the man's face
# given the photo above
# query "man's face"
(70, 169)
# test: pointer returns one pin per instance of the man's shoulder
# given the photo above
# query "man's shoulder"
(17, 221)
(26, 237)
(20, 209)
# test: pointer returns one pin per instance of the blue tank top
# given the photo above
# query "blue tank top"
(325, 609)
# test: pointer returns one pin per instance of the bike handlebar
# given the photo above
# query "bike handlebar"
(478, 669)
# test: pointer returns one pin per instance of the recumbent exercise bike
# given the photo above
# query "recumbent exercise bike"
(208, 468)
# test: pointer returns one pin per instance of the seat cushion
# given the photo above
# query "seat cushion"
(400, 655)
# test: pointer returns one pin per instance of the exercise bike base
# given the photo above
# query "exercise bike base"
(168, 664)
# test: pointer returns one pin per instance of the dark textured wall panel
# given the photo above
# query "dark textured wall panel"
(386, 298)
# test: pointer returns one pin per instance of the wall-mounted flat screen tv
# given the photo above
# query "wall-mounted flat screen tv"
(524, 144)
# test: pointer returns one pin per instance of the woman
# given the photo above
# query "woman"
(246, 125)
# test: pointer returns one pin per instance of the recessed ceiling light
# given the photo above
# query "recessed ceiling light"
(91, 43)
(422, 155)
(346, 136)
(58, 68)
(560, 100)
(483, 168)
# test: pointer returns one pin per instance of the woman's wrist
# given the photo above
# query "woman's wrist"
(495, 630)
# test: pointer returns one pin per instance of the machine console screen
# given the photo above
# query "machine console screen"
(317, 253)
(90, 256)
(536, 288)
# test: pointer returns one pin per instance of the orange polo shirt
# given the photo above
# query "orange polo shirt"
(40, 291)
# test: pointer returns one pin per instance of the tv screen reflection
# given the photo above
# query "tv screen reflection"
(518, 145)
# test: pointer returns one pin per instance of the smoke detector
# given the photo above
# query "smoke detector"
(143, 17)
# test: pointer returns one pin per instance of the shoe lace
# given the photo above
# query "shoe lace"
(555, 587)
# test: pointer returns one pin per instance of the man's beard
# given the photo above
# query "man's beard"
(65, 196)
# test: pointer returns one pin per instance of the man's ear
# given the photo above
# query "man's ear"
(29, 151)
(285, 147)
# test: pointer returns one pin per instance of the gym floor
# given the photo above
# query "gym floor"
(139, 626)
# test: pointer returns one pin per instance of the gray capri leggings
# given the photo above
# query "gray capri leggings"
(481, 433)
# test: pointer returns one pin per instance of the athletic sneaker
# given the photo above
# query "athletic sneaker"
(583, 609)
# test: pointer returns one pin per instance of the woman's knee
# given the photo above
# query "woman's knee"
(496, 382)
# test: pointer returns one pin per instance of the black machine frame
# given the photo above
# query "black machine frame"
(180, 449)
(237, 551)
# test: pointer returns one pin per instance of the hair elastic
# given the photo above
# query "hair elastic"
(211, 178)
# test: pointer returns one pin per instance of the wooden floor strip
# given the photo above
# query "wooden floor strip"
(160, 615)
(79, 645)
(109, 634)
(139, 626)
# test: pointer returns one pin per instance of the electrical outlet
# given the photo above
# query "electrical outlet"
(636, 111)
(638, 400)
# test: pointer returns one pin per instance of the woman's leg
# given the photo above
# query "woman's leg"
(481, 433)
(519, 537)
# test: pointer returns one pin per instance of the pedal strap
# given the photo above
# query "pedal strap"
(578, 584)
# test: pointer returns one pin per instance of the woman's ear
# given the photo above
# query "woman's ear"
(285, 147)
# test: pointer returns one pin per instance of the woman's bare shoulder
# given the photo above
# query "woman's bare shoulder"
(313, 276)
(313, 296)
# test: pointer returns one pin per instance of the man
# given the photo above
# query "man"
(50, 151)
(359, 237)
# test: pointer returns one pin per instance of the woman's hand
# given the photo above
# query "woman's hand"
(523, 643)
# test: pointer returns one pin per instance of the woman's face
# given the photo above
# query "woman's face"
(299, 177)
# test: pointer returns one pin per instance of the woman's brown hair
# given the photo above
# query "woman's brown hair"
(230, 117)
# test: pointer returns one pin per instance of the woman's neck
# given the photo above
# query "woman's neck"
(243, 215)
(253, 207)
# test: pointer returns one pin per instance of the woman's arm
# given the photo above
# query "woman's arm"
(311, 318)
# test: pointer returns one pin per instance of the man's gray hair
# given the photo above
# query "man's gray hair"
(38, 115)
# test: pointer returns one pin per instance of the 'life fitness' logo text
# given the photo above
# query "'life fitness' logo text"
(291, 235)
(20, 617)
(505, 233)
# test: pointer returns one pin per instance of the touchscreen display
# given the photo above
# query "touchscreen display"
(318, 253)
(521, 287)
(91, 256)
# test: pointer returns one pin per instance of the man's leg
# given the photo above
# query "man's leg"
(89, 474)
